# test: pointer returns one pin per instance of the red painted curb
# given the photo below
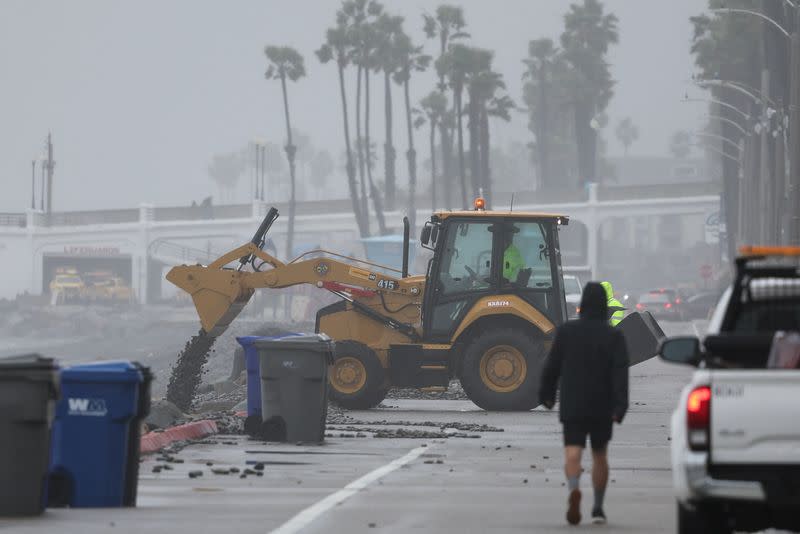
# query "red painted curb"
(155, 441)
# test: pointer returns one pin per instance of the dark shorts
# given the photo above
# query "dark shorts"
(598, 430)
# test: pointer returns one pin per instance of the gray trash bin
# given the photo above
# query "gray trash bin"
(294, 386)
(28, 391)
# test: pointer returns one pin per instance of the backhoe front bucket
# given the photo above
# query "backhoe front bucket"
(218, 294)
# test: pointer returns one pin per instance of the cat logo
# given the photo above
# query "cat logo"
(496, 303)
(90, 407)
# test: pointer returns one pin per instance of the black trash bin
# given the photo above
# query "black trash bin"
(294, 387)
(28, 391)
(135, 436)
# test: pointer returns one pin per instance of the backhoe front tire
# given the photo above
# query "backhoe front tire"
(358, 380)
(501, 368)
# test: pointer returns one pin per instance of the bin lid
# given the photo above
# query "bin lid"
(312, 342)
(27, 362)
(111, 371)
(247, 341)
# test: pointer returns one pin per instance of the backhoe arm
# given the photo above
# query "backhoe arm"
(220, 293)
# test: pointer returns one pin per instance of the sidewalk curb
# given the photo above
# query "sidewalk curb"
(155, 441)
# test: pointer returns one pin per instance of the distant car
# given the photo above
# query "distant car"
(573, 291)
(67, 284)
(111, 290)
(701, 305)
(660, 305)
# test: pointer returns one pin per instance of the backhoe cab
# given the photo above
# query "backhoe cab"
(484, 312)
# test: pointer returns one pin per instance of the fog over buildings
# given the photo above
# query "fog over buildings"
(140, 95)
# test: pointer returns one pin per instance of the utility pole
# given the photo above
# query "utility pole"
(263, 170)
(779, 188)
(741, 226)
(50, 165)
(44, 185)
(764, 205)
(256, 180)
(33, 184)
(793, 212)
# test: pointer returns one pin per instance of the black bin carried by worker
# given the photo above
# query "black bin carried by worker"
(642, 334)
(294, 386)
(28, 391)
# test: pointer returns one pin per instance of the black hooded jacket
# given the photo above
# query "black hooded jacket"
(589, 361)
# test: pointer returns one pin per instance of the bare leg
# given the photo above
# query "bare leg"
(572, 469)
(600, 469)
(599, 482)
(572, 456)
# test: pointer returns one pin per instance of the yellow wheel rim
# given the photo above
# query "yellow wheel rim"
(348, 375)
(503, 368)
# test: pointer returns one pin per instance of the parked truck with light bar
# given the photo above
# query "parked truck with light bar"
(736, 430)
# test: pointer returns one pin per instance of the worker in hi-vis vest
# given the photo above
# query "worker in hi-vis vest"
(513, 262)
(615, 308)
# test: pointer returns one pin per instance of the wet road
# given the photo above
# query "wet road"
(507, 481)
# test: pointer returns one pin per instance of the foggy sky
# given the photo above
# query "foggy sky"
(140, 95)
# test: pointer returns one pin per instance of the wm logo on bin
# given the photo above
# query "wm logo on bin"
(91, 407)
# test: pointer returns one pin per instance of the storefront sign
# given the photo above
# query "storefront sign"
(88, 250)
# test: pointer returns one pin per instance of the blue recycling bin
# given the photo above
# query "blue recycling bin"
(94, 433)
(252, 424)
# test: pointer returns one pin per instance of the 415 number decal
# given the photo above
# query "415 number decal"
(387, 284)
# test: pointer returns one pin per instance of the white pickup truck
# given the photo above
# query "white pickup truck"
(736, 430)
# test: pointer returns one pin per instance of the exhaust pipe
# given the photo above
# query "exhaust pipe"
(406, 236)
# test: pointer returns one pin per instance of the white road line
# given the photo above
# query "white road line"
(306, 516)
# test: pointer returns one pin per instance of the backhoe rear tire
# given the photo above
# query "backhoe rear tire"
(501, 368)
(358, 380)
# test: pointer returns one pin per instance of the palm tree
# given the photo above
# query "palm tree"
(225, 170)
(627, 132)
(457, 64)
(540, 95)
(410, 59)
(337, 47)
(434, 107)
(286, 62)
(447, 25)
(499, 107)
(364, 38)
(588, 33)
(386, 61)
(480, 82)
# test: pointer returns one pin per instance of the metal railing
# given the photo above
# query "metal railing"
(84, 218)
(502, 201)
(13, 219)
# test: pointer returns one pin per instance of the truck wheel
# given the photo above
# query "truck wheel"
(700, 520)
(358, 380)
(501, 368)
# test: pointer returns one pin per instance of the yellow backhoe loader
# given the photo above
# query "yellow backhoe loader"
(485, 311)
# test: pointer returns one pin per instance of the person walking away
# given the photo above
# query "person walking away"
(588, 362)
(615, 307)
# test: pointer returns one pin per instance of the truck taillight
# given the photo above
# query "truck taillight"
(698, 417)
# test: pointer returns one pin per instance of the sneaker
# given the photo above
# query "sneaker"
(598, 517)
(574, 509)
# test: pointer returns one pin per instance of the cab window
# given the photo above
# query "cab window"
(466, 258)
(526, 256)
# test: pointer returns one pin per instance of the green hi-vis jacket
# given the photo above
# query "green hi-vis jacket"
(512, 263)
(615, 307)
